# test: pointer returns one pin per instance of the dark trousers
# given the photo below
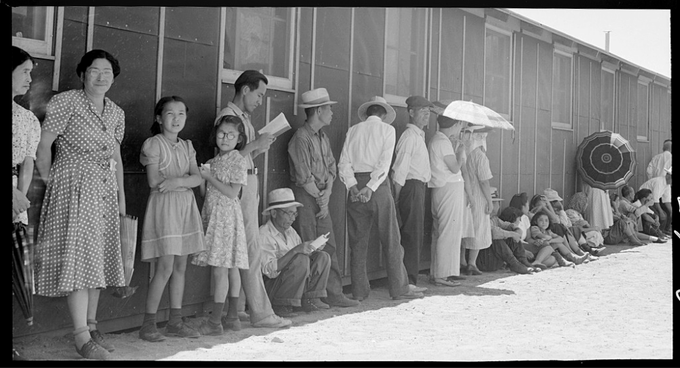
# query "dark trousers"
(411, 208)
(665, 216)
(502, 251)
(311, 228)
(361, 217)
(303, 277)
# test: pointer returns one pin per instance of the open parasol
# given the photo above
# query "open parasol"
(477, 114)
(605, 160)
(128, 247)
(22, 270)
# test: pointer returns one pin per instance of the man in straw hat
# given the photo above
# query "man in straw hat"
(410, 175)
(313, 170)
(250, 88)
(295, 273)
(506, 245)
(364, 164)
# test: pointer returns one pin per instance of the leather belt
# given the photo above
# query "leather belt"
(252, 171)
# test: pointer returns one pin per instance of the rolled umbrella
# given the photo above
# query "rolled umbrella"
(128, 247)
(22, 270)
(477, 114)
(605, 160)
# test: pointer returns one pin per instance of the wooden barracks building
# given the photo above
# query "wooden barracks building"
(554, 89)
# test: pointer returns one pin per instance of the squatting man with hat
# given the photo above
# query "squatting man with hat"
(295, 272)
(312, 172)
(410, 175)
(363, 167)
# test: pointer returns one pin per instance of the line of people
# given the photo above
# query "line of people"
(271, 268)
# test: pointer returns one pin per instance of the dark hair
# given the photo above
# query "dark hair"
(19, 56)
(238, 123)
(535, 199)
(626, 190)
(667, 144)
(376, 110)
(534, 220)
(309, 111)
(250, 78)
(642, 193)
(89, 57)
(445, 121)
(519, 200)
(158, 110)
(510, 214)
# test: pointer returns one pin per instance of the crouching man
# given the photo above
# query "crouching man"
(295, 274)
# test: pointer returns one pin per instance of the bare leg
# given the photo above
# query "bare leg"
(164, 267)
(221, 275)
(177, 282)
(472, 256)
(78, 303)
(92, 303)
(542, 255)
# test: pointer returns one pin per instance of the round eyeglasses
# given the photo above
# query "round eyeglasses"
(229, 135)
(290, 214)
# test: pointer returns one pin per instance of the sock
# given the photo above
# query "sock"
(216, 316)
(232, 309)
(149, 319)
(175, 316)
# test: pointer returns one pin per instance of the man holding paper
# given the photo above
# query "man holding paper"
(295, 272)
(250, 88)
(312, 171)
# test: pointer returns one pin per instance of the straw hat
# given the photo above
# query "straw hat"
(316, 97)
(551, 195)
(377, 100)
(281, 198)
(669, 170)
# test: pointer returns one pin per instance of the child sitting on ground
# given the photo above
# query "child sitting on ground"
(540, 234)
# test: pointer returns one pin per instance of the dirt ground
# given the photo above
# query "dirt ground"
(618, 307)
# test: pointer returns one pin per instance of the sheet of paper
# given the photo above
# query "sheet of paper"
(318, 242)
(277, 126)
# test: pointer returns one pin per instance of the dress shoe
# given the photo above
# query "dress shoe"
(273, 321)
(455, 278)
(243, 316)
(473, 270)
(91, 350)
(150, 333)
(319, 304)
(99, 339)
(342, 302)
(409, 295)
(231, 323)
(307, 306)
(284, 311)
(416, 289)
(207, 328)
(181, 330)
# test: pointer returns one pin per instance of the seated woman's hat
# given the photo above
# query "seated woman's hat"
(551, 195)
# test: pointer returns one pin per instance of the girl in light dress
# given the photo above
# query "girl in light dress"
(172, 224)
(226, 247)
(540, 234)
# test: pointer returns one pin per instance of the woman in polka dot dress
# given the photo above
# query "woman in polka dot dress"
(172, 223)
(78, 249)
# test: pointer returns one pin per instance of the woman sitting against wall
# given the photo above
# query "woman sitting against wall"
(536, 253)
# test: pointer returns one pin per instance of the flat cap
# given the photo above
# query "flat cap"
(418, 101)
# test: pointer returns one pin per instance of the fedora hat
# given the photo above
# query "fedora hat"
(494, 194)
(377, 100)
(551, 195)
(316, 97)
(281, 198)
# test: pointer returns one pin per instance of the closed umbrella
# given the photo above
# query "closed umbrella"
(128, 247)
(477, 114)
(605, 160)
(22, 270)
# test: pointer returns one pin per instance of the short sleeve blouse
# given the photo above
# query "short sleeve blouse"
(25, 134)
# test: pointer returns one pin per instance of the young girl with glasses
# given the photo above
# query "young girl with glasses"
(225, 236)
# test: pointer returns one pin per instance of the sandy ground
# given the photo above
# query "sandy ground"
(618, 307)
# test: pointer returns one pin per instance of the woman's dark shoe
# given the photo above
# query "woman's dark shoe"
(231, 323)
(150, 333)
(181, 330)
(206, 328)
(99, 339)
(473, 270)
(92, 350)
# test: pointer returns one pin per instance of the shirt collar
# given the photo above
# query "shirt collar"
(416, 129)
(374, 118)
(311, 131)
(274, 231)
(236, 109)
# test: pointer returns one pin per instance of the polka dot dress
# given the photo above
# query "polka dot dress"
(79, 234)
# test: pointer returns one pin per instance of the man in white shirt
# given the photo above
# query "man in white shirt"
(295, 272)
(660, 187)
(363, 167)
(250, 88)
(660, 162)
(410, 175)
